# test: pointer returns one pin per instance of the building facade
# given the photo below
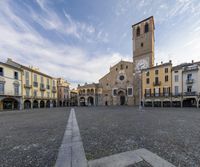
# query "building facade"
(63, 92)
(157, 85)
(89, 95)
(38, 89)
(117, 85)
(10, 87)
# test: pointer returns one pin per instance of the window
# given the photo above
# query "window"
(48, 94)
(121, 77)
(54, 83)
(1, 71)
(42, 94)
(166, 70)
(157, 91)
(130, 91)
(27, 92)
(156, 80)
(138, 31)
(116, 69)
(16, 89)
(121, 66)
(27, 77)
(126, 67)
(146, 28)
(147, 92)
(176, 78)
(166, 91)
(142, 44)
(1, 88)
(189, 76)
(35, 84)
(147, 81)
(35, 77)
(114, 92)
(147, 74)
(156, 71)
(15, 75)
(189, 89)
(166, 78)
(35, 93)
(42, 79)
(176, 90)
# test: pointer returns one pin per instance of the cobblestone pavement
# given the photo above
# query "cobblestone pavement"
(31, 138)
(172, 133)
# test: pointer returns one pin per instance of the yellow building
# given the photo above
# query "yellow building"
(157, 85)
(10, 87)
(63, 92)
(38, 89)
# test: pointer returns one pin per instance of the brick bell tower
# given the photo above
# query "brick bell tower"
(143, 50)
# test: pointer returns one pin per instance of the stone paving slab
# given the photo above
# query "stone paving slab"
(71, 152)
(131, 159)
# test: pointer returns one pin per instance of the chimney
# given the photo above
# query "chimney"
(161, 62)
(170, 61)
(192, 61)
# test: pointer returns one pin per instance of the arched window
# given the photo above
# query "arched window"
(138, 31)
(146, 28)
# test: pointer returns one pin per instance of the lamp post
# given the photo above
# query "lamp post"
(140, 85)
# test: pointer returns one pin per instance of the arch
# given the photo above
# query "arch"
(54, 103)
(35, 104)
(48, 104)
(10, 104)
(60, 103)
(90, 101)
(146, 28)
(82, 101)
(176, 103)
(92, 91)
(138, 31)
(27, 104)
(42, 104)
(157, 103)
(148, 103)
(189, 102)
(166, 103)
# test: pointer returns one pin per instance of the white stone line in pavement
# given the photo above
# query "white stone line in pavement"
(130, 158)
(71, 152)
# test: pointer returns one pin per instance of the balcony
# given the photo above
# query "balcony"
(189, 81)
(42, 88)
(28, 86)
(176, 94)
(54, 89)
(190, 93)
(157, 83)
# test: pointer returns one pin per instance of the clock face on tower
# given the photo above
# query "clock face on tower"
(141, 64)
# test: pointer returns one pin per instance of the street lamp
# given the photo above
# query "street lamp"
(139, 72)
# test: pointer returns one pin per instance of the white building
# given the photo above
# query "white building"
(10, 87)
(186, 85)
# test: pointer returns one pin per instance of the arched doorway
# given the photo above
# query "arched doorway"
(82, 101)
(157, 103)
(48, 104)
(54, 103)
(27, 104)
(42, 104)
(148, 103)
(90, 101)
(35, 104)
(10, 104)
(122, 98)
(190, 102)
(176, 103)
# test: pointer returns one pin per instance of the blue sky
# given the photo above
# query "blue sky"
(80, 39)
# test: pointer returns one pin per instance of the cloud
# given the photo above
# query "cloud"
(28, 47)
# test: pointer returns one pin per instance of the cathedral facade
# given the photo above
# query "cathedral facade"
(122, 86)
